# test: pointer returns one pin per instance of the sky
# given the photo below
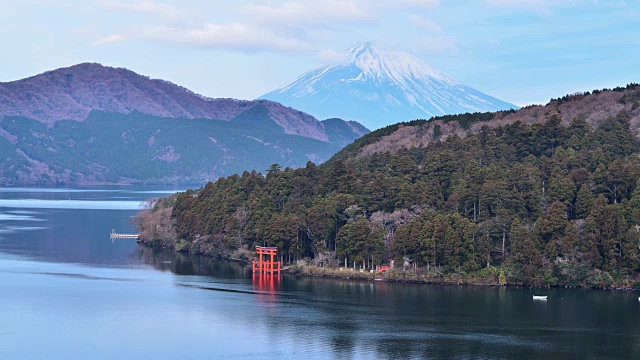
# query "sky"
(520, 51)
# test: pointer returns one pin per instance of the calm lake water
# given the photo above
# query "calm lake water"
(68, 292)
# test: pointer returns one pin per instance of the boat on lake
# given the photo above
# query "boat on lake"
(539, 297)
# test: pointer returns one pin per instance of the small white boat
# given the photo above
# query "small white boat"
(539, 297)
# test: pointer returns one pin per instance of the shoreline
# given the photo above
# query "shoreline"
(357, 276)
(396, 276)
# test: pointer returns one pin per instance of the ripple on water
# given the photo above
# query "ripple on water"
(16, 216)
(14, 229)
(71, 204)
(64, 190)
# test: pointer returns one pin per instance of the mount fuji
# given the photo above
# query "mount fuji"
(378, 88)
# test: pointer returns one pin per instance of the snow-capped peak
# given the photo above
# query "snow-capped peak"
(396, 65)
(378, 87)
(358, 49)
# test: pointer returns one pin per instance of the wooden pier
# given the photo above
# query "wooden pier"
(114, 235)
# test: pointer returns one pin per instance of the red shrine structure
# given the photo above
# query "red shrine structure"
(266, 263)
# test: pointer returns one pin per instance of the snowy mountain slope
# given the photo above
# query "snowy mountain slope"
(378, 88)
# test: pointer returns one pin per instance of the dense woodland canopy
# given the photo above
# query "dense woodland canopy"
(547, 203)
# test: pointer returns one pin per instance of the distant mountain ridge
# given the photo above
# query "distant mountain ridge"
(592, 107)
(379, 88)
(72, 93)
(93, 124)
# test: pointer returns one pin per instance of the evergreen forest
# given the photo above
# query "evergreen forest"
(554, 203)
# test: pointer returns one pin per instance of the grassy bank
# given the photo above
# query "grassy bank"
(490, 276)
(338, 273)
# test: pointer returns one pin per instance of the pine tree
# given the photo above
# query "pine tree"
(634, 205)
(570, 241)
(561, 189)
(593, 237)
(631, 250)
(551, 227)
(527, 258)
(613, 230)
(584, 200)
(470, 254)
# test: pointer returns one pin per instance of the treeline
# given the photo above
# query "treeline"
(465, 120)
(547, 203)
(571, 97)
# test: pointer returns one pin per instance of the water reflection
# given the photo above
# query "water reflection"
(72, 204)
(183, 264)
(267, 286)
(66, 285)
(343, 318)
(70, 225)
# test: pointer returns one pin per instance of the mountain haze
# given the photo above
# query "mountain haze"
(72, 93)
(89, 124)
(378, 88)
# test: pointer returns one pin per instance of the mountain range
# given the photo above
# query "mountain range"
(90, 123)
(379, 88)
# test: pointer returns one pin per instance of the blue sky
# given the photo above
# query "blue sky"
(521, 51)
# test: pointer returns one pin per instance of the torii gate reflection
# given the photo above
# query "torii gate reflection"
(266, 273)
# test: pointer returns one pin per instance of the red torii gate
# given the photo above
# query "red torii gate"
(268, 265)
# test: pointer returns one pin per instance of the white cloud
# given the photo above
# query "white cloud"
(518, 3)
(432, 38)
(328, 12)
(308, 13)
(332, 57)
(148, 7)
(610, 3)
(436, 44)
(232, 36)
(494, 41)
(109, 39)
(426, 24)
(539, 6)
(407, 4)
(84, 30)
(265, 25)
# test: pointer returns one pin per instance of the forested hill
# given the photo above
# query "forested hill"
(92, 124)
(140, 148)
(72, 93)
(553, 202)
(593, 107)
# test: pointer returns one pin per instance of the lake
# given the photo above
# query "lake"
(68, 292)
